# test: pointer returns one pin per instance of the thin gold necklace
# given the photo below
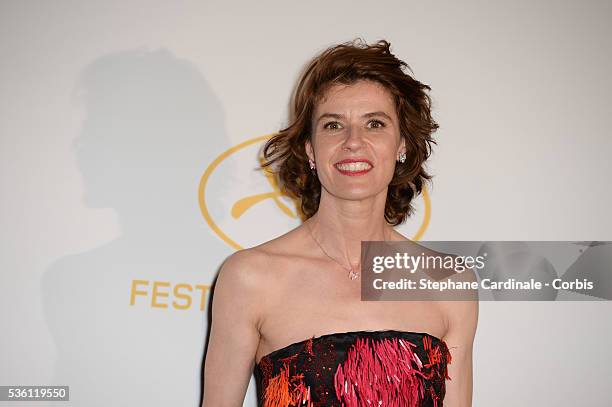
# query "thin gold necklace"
(352, 273)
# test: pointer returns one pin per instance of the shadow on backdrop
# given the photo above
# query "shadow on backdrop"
(152, 125)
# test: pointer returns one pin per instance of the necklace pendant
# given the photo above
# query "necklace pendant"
(353, 274)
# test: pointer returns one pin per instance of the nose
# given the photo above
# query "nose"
(354, 139)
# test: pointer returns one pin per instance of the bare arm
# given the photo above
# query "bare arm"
(234, 335)
(462, 321)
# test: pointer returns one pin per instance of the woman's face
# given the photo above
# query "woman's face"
(356, 123)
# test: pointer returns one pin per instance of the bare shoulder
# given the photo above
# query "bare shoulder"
(255, 266)
(244, 268)
(237, 310)
(462, 311)
(461, 315)
(289, 245)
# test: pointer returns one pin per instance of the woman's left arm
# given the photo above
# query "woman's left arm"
(462, 321)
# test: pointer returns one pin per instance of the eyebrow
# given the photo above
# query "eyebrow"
(341, 116)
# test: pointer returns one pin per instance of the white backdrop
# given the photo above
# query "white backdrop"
(112, 231)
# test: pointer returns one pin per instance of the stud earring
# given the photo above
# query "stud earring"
(402, 157)
(312, 164)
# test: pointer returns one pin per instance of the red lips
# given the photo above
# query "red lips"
(353, 160)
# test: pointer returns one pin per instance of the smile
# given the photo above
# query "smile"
(353, 167)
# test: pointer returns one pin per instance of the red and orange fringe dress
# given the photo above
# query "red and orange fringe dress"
(386, 368)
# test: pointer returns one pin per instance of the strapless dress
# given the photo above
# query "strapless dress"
(387, 368)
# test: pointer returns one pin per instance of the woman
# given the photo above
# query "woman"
(290, 308)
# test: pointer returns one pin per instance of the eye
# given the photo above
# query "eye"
(378, 123)
(327, 125)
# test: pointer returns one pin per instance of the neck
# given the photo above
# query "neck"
(341, 225)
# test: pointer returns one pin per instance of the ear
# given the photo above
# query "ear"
(309, 152)
(402, 148)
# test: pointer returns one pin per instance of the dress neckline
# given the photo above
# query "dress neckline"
(315, 338)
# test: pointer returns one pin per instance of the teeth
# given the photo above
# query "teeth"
(358, 166)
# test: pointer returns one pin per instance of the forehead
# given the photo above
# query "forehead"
(361, 95)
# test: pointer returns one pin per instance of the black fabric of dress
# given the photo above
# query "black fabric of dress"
(387, 368)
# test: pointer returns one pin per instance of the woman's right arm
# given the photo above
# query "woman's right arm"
(234, 334)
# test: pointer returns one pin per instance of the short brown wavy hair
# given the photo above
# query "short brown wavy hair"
(347, 63)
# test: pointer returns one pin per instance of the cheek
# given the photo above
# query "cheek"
(387, 161)
(324, 157)
(387, 153)
(388, 170)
